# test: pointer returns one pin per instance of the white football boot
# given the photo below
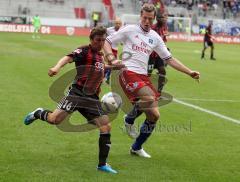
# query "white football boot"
(140, 153)
(131, 130)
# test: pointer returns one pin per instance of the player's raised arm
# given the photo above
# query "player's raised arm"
(63, 61)
(176, 64)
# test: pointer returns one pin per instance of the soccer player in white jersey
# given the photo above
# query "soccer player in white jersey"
(140, 41)
(111, 31)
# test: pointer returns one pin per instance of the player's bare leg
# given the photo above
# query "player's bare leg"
(136, 112)
(149, 106)
(55, 117)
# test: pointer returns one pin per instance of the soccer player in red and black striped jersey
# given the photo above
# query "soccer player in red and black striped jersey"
(208, 41)
(155, 62)
(83, 93)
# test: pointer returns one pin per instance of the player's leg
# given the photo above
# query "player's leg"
(148, 104)
(204, 48)
(65, 107)
(212, 51)
(55, 117)
(38, 32)
(160, 66)
(107, 75)
(34, 32)
(129, 121)
(136, 112)
(94, 113)
(104, 143)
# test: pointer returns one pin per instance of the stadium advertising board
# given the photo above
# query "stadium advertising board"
(58, 30)
(77, 31)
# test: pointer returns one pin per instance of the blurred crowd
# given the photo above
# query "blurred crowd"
(223, 8)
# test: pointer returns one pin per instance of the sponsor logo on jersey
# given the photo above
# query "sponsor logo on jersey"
(141, 49)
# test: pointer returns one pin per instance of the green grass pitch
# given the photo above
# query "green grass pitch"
(188, 145)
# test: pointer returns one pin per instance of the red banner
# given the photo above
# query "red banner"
(58, 30)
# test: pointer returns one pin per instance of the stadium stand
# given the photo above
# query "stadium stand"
(225, 13)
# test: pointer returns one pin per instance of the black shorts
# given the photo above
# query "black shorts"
(155, 63)
(88, 105)
(208, 43)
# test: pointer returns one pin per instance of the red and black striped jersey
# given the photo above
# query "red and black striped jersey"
(90, 69)
(162, 30)
(208, 34)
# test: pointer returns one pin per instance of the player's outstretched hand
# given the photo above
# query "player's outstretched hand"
(52, 71)
(195, 75)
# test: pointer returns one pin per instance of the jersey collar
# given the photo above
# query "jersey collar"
(145, 31)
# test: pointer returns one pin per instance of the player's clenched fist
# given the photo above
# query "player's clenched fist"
(195, 74)
(52, 71)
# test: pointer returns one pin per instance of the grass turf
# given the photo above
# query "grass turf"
(188, 145)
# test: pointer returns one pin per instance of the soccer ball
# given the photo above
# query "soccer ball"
(111, 102)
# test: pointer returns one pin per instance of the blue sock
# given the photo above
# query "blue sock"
(132, 115)
(145, 131)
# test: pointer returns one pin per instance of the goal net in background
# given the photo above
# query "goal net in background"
(175, 24)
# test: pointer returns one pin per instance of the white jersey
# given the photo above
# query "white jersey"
(111, 31)
(137, 47)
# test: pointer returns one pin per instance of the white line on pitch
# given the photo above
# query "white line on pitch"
(207, 111)
(210, 100)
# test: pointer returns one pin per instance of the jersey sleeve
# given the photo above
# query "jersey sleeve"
(119, 36)
(77, 55)
(108, 31)
(161, 49)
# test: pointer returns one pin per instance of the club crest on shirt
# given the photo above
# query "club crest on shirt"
(78, 51)
(150, 41)
(132, 86)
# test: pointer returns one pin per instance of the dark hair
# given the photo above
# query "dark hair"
(148, 8)
(98, 30)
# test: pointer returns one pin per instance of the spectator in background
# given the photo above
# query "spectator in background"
(120, 4)
(205, 9)
(26, 11)
(224, 9)
(215, 8)
(19, 9)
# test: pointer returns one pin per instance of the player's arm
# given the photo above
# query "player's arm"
(163, 52)
(166, 34)
(177, 65)
(115, 38)
(107, 48)
(117, 66)
(62, 62)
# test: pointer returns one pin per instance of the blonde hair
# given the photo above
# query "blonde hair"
(148, 8)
